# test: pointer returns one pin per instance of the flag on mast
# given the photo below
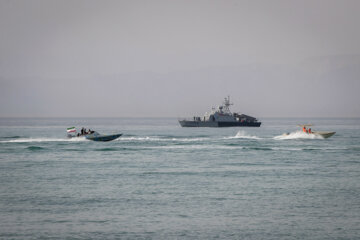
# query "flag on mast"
(71, 129)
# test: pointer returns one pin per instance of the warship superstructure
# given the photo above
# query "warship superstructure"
(221, 117)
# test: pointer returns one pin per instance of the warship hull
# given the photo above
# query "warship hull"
(186, 123)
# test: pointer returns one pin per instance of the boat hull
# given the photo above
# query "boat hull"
(324, 134)
(102, 138)
(186, 123)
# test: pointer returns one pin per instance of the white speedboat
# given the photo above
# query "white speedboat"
(317, 133)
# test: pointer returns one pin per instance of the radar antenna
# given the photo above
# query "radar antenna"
(227, 104)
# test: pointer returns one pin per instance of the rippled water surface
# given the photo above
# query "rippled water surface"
(161, 181)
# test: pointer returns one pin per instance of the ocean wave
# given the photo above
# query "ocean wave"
(355, 148)
(12, 137)
(113, 149)
(260, 148)
(35, 148)
(107, 149)
(297, 135)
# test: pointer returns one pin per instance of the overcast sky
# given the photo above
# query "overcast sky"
(179, 58)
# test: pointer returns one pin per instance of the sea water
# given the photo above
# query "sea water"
(161, 181)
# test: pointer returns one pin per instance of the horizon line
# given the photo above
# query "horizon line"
(138, 117)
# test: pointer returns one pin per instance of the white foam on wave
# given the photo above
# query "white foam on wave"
(157, 139)
(297, 135)
(244, 135)
(26, 140)
(189, 139)
(189, 147)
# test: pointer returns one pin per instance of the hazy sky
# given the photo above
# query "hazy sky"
(179, 58)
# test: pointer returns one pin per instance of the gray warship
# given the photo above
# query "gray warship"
(221, 117)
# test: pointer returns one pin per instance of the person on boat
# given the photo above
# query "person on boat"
(304, 129)
(309, 130)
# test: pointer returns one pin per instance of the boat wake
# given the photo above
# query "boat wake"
(243, 135)
(297, 135)
(29, 140)
(159, 139)
(123, 139)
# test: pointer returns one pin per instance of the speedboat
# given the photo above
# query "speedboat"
(92, 135)
(317, 133)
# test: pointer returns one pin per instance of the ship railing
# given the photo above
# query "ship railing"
(195, 119)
